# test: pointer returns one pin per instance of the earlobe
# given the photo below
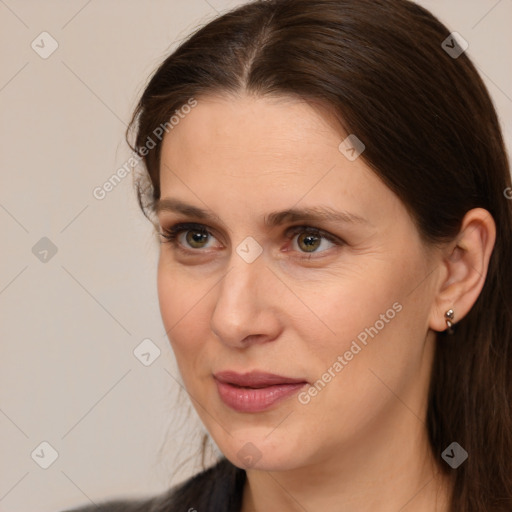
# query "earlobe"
(449, 318)
(466, 266)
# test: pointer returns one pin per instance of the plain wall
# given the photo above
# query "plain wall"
(69, 325)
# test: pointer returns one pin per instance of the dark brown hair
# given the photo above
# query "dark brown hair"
(431, 134)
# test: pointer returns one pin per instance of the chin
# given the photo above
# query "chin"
(264, 452)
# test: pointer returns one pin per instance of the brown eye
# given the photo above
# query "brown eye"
(196, 238)
(308, 242)
(186, 236)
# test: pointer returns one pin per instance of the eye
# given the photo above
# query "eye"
(195, 236)
(309, 239)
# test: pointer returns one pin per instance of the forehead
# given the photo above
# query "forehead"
(245, 126)
(265, 153)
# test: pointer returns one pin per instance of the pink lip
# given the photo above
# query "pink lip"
(254, 391)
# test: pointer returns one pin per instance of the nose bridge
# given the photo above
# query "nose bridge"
(238, 290)
(244, 303)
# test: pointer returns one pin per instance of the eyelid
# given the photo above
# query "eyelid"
(315, 231)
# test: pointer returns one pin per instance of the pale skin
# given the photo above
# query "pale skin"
(361, 443)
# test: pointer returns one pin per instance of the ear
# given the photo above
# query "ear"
(464, 268)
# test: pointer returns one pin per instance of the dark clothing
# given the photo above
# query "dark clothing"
(217, 489)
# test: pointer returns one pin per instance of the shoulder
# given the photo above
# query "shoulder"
(115, 506)
(215, 489)
(118, 505)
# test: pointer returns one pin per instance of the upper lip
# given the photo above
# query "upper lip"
(254, 379)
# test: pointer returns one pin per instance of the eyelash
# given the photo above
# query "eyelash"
(170, 235)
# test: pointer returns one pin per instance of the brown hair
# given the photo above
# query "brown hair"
(432, 135)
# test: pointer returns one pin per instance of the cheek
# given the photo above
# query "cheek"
(335, 310)
(182, 308)
(370, 320)
(355, 384)
(379, 343)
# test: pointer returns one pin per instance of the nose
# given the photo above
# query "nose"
(245, 312)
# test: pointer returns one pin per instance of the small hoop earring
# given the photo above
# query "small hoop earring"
(449, 315)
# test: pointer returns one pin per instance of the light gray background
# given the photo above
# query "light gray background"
(69, 326)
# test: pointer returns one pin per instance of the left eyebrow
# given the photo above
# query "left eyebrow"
(311, 214)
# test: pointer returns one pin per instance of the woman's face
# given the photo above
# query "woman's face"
(343, 311)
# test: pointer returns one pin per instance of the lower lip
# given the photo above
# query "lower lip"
(255, 400)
